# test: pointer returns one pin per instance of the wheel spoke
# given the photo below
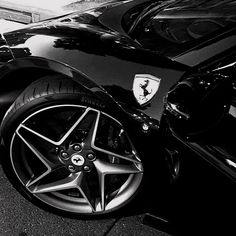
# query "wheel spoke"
(65, 136)
(46, 162)
(73, 127)
(92, 131)
(49, 165)
(73, 181)
(132, 159)
(84, 189)
(102, 189)
(42, 137)
(105, 168)
(63, 184)
(36, 179)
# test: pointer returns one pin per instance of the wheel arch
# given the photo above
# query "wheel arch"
(32, 68)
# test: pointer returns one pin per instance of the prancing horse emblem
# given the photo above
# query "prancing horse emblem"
(145, 87)
(77, 160)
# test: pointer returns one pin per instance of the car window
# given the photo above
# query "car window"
(131, 16)
(171, 31)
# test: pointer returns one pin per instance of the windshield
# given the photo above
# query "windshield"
(136, 13)
(173, 28)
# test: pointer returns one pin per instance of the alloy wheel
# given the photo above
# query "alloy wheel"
(76, 159)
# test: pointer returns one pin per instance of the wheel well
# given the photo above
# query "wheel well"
(13, 83)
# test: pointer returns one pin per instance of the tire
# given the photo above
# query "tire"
(66, 153)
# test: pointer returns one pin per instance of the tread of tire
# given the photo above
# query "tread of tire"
(45, 86)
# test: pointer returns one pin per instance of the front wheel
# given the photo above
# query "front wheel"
(67, 155)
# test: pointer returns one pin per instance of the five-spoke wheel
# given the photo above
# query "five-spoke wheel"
(74, 158)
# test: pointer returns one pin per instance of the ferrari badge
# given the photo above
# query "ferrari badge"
(145, 86)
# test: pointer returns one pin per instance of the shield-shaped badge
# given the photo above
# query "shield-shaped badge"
(145, 86)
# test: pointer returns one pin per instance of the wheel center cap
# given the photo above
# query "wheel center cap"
(77, 160)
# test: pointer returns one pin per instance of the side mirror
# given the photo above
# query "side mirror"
(197, 103)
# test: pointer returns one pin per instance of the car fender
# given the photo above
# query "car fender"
(35, 67)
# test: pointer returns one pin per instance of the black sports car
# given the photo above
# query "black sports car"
(82, 99)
